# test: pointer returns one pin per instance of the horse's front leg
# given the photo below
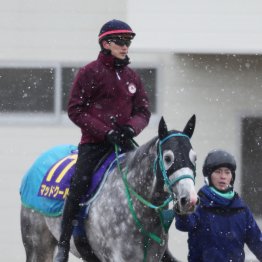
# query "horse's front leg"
(168, 257)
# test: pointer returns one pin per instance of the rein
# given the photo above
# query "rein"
(129, 190)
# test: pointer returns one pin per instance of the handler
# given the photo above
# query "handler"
(109, 104)
(222, 223)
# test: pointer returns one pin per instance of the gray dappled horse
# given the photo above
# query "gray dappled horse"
(125, 222)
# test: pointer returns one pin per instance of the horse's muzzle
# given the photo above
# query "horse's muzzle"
(185, 205)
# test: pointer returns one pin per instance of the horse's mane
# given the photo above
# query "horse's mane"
(141, 152)
(145, 149)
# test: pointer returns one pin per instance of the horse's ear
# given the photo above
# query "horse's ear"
(162, 129)
(190, 126)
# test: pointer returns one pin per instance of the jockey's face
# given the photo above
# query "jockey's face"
(221, 178)
(118, 46)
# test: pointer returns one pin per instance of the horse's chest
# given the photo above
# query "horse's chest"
(113, 231)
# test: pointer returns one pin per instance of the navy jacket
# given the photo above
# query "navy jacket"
(219, 228)
(102, 91)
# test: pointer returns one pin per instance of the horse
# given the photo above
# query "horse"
(125, 221)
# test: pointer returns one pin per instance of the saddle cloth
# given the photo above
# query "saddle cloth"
(46, 184)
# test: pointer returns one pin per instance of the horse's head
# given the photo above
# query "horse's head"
(175, 165)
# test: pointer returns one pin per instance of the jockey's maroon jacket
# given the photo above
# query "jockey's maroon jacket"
(103, 95)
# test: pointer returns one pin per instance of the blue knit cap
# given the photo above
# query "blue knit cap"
(115, 27)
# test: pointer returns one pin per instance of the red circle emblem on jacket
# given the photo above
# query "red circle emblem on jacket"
(132, 88)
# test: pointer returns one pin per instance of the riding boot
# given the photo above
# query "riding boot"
(71, 208)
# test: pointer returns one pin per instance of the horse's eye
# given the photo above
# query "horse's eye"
(168, 158)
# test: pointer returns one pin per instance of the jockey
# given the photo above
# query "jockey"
(109, 104)
(222, 223)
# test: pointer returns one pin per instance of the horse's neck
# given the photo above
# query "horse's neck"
(141, 171)
(142, 179)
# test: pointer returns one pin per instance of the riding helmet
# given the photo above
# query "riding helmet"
(115, 27)
(218, 158)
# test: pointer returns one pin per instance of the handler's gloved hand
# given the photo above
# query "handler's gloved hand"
(127, 131)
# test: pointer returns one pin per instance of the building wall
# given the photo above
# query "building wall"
(198, 26)
(54, 30)
(67, 30)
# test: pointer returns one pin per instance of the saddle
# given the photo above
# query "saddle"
(46, 184)
(56, 182)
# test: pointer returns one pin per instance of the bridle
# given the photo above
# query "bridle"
(159, 160)
(168, 183)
